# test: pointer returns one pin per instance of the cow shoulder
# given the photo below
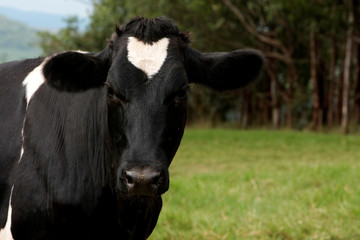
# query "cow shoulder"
(75, 71)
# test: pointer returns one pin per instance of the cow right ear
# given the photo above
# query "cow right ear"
(75, 71)
(224, 70)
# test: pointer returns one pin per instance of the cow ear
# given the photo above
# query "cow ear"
(75, 71)
(224, 70)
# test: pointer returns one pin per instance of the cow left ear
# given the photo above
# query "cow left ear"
(75, 71)
(224, 70)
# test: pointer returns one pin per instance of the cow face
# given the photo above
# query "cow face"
(149, 66)
(150, 85)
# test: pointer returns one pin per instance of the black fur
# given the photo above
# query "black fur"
(74, 71)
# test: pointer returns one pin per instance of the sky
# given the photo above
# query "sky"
(81, 8)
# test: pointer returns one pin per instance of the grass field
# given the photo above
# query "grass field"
(229, 184)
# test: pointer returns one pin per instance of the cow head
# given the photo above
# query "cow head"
(145, 71)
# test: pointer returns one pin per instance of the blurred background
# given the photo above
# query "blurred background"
(312, 78)
(259, 184)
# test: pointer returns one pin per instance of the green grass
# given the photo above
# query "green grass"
(229, 184)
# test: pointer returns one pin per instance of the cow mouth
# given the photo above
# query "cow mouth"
(142, 192)
(133, 197)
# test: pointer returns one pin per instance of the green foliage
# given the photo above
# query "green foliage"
(229, 184)
(68, 38)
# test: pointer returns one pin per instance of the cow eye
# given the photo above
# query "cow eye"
(111, 93)
(113, 97)
(181, 96)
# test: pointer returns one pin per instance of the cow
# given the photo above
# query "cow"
(86, 139)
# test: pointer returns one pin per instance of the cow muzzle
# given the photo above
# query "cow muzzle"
(144, 181)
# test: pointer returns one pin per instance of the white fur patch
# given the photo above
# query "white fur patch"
(148, 58)
(34, 80)
(5, 233)
(32, 83)
(22, 147)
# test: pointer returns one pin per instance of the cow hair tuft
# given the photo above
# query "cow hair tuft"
(151, 30)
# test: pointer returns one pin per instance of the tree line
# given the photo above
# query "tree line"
(312, 47)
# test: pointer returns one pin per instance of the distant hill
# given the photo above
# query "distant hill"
(17, 41)
(38, 20)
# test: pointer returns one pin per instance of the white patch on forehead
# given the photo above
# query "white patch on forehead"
(5, 233)
(147, 57)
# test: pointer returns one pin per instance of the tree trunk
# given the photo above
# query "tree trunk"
(347, 71)
(275, 106)
(274, 96)
(332, 82)
(266, 104)
(246, 109)
(357, 86)
(290, 96)
(338, 113)
(317, 77)
(317, 108)
(357, 68)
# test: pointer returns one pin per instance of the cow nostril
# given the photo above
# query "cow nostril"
(130, 177)
(156, 179)
(142, 181)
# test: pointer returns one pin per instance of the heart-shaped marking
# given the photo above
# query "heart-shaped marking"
(147, 57)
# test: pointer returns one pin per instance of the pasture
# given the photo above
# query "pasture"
(230, 184)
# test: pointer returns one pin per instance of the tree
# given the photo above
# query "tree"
(347, 68)
(276, 45)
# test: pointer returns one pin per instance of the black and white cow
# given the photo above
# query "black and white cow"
(86, 139)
